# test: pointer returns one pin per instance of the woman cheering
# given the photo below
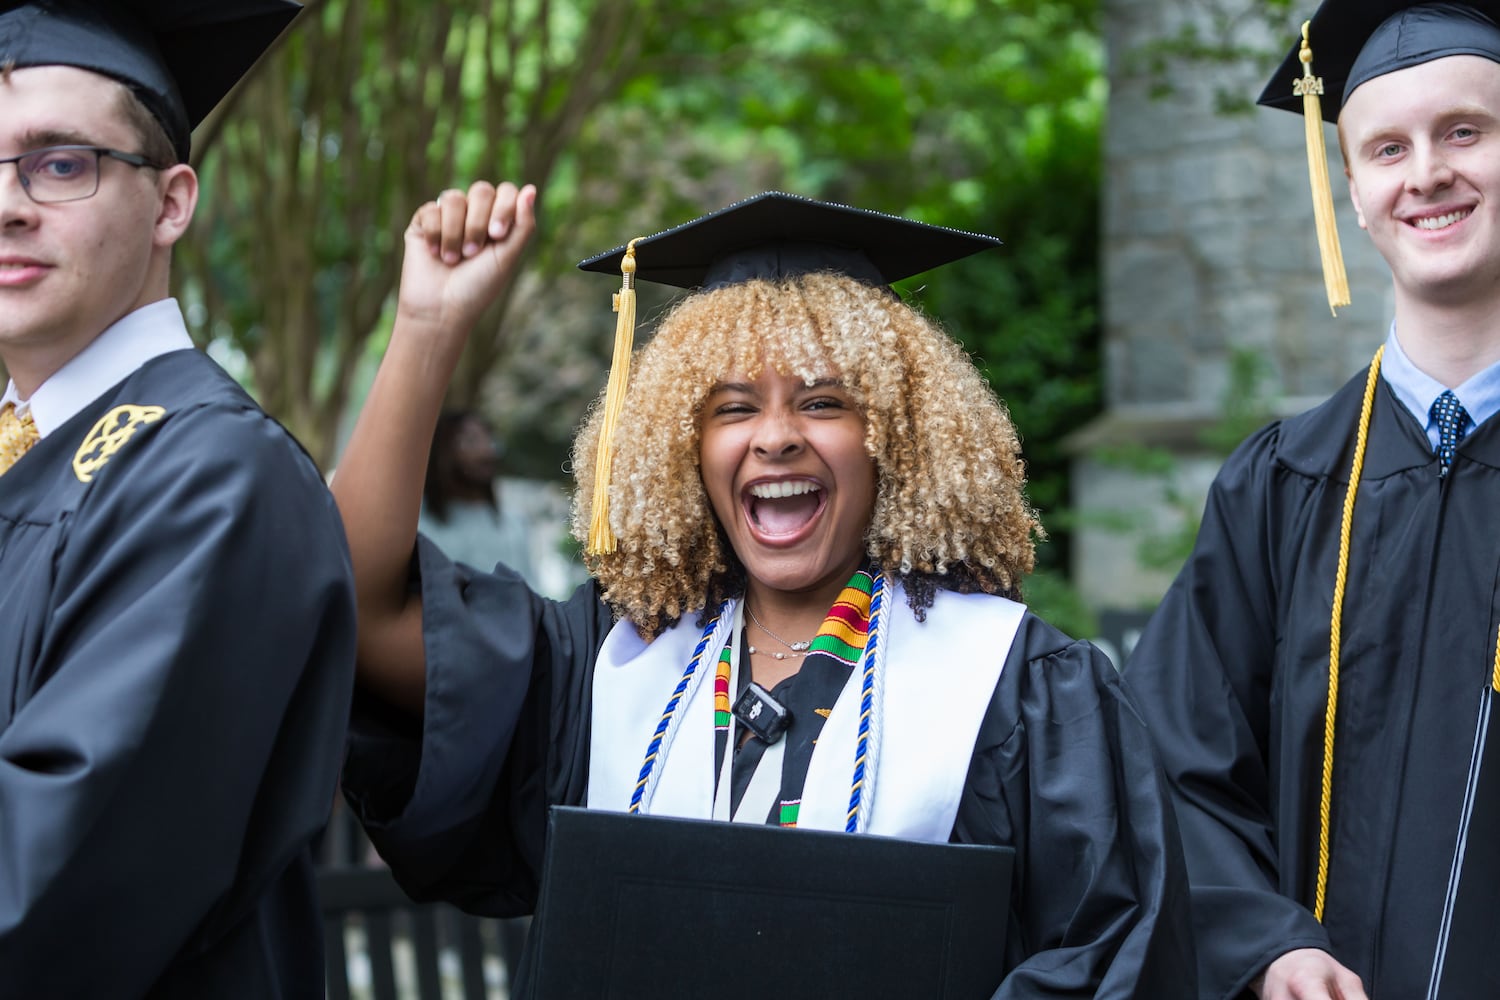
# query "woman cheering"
(806, 492)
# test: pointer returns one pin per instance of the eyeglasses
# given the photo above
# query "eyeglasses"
(54, 174)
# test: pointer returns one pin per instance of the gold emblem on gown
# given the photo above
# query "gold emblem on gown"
(109, 435)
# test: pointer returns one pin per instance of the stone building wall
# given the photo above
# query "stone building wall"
(1209, 249)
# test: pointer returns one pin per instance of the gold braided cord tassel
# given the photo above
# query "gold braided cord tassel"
(17, 435)
(601, 536)
(1325, 805)
(1495, 683)
(1310, 88)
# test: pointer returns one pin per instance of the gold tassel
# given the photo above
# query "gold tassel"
(601, 537)
(1310, 88)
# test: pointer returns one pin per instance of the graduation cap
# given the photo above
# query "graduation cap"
(770, 236)
(776, 235)
(1356, 41)
(179, 57)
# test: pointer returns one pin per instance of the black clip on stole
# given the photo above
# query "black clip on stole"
(762, 714)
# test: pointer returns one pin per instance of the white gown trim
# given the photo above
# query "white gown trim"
(940, 675)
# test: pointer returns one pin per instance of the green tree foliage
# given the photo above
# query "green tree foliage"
(368, 109)
(982, 114)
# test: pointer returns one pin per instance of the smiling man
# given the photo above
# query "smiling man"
(176, 614)
(1323, 676)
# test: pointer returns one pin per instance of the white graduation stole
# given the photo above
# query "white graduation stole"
(939, 676)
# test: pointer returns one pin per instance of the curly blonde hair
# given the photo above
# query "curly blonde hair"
(950, 510)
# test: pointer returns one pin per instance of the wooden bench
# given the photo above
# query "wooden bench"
(367, 918)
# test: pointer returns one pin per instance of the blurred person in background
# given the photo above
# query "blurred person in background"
(461, 508)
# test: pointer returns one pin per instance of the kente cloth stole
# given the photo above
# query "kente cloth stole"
(838, 645)
(651, 751)
(17, 435)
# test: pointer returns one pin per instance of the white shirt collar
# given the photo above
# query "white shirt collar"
(149, 332)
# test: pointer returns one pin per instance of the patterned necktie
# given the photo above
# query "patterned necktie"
(1453, 423)
(17, 435)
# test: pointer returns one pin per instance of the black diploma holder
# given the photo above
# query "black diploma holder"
(639, 906)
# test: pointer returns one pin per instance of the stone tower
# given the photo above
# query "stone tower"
(1209, 251)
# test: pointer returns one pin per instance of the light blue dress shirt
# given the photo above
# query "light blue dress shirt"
(1417, 390)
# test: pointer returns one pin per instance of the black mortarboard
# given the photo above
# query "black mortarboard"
(180, 57)
(776, 235)
(771, 235)
(1358, 40)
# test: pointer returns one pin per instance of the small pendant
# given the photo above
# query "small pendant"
(773, 654)
(801, 647)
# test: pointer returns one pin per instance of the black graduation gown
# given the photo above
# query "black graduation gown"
(176, 659)
(1232, 673)
(1062, 770)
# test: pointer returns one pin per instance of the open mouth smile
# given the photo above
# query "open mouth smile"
(782, 510)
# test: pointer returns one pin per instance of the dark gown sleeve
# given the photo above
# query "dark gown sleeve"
(174, 744)
(1064, 771)
(457, 804)
(1202, 672)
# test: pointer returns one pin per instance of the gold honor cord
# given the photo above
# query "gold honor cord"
(1495, 682)
(1325, 806)
(1310, 89)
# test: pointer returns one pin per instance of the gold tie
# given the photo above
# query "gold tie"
(17, 435)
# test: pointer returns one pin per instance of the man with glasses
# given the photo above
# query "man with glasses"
(55, 174)
(176, 614)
